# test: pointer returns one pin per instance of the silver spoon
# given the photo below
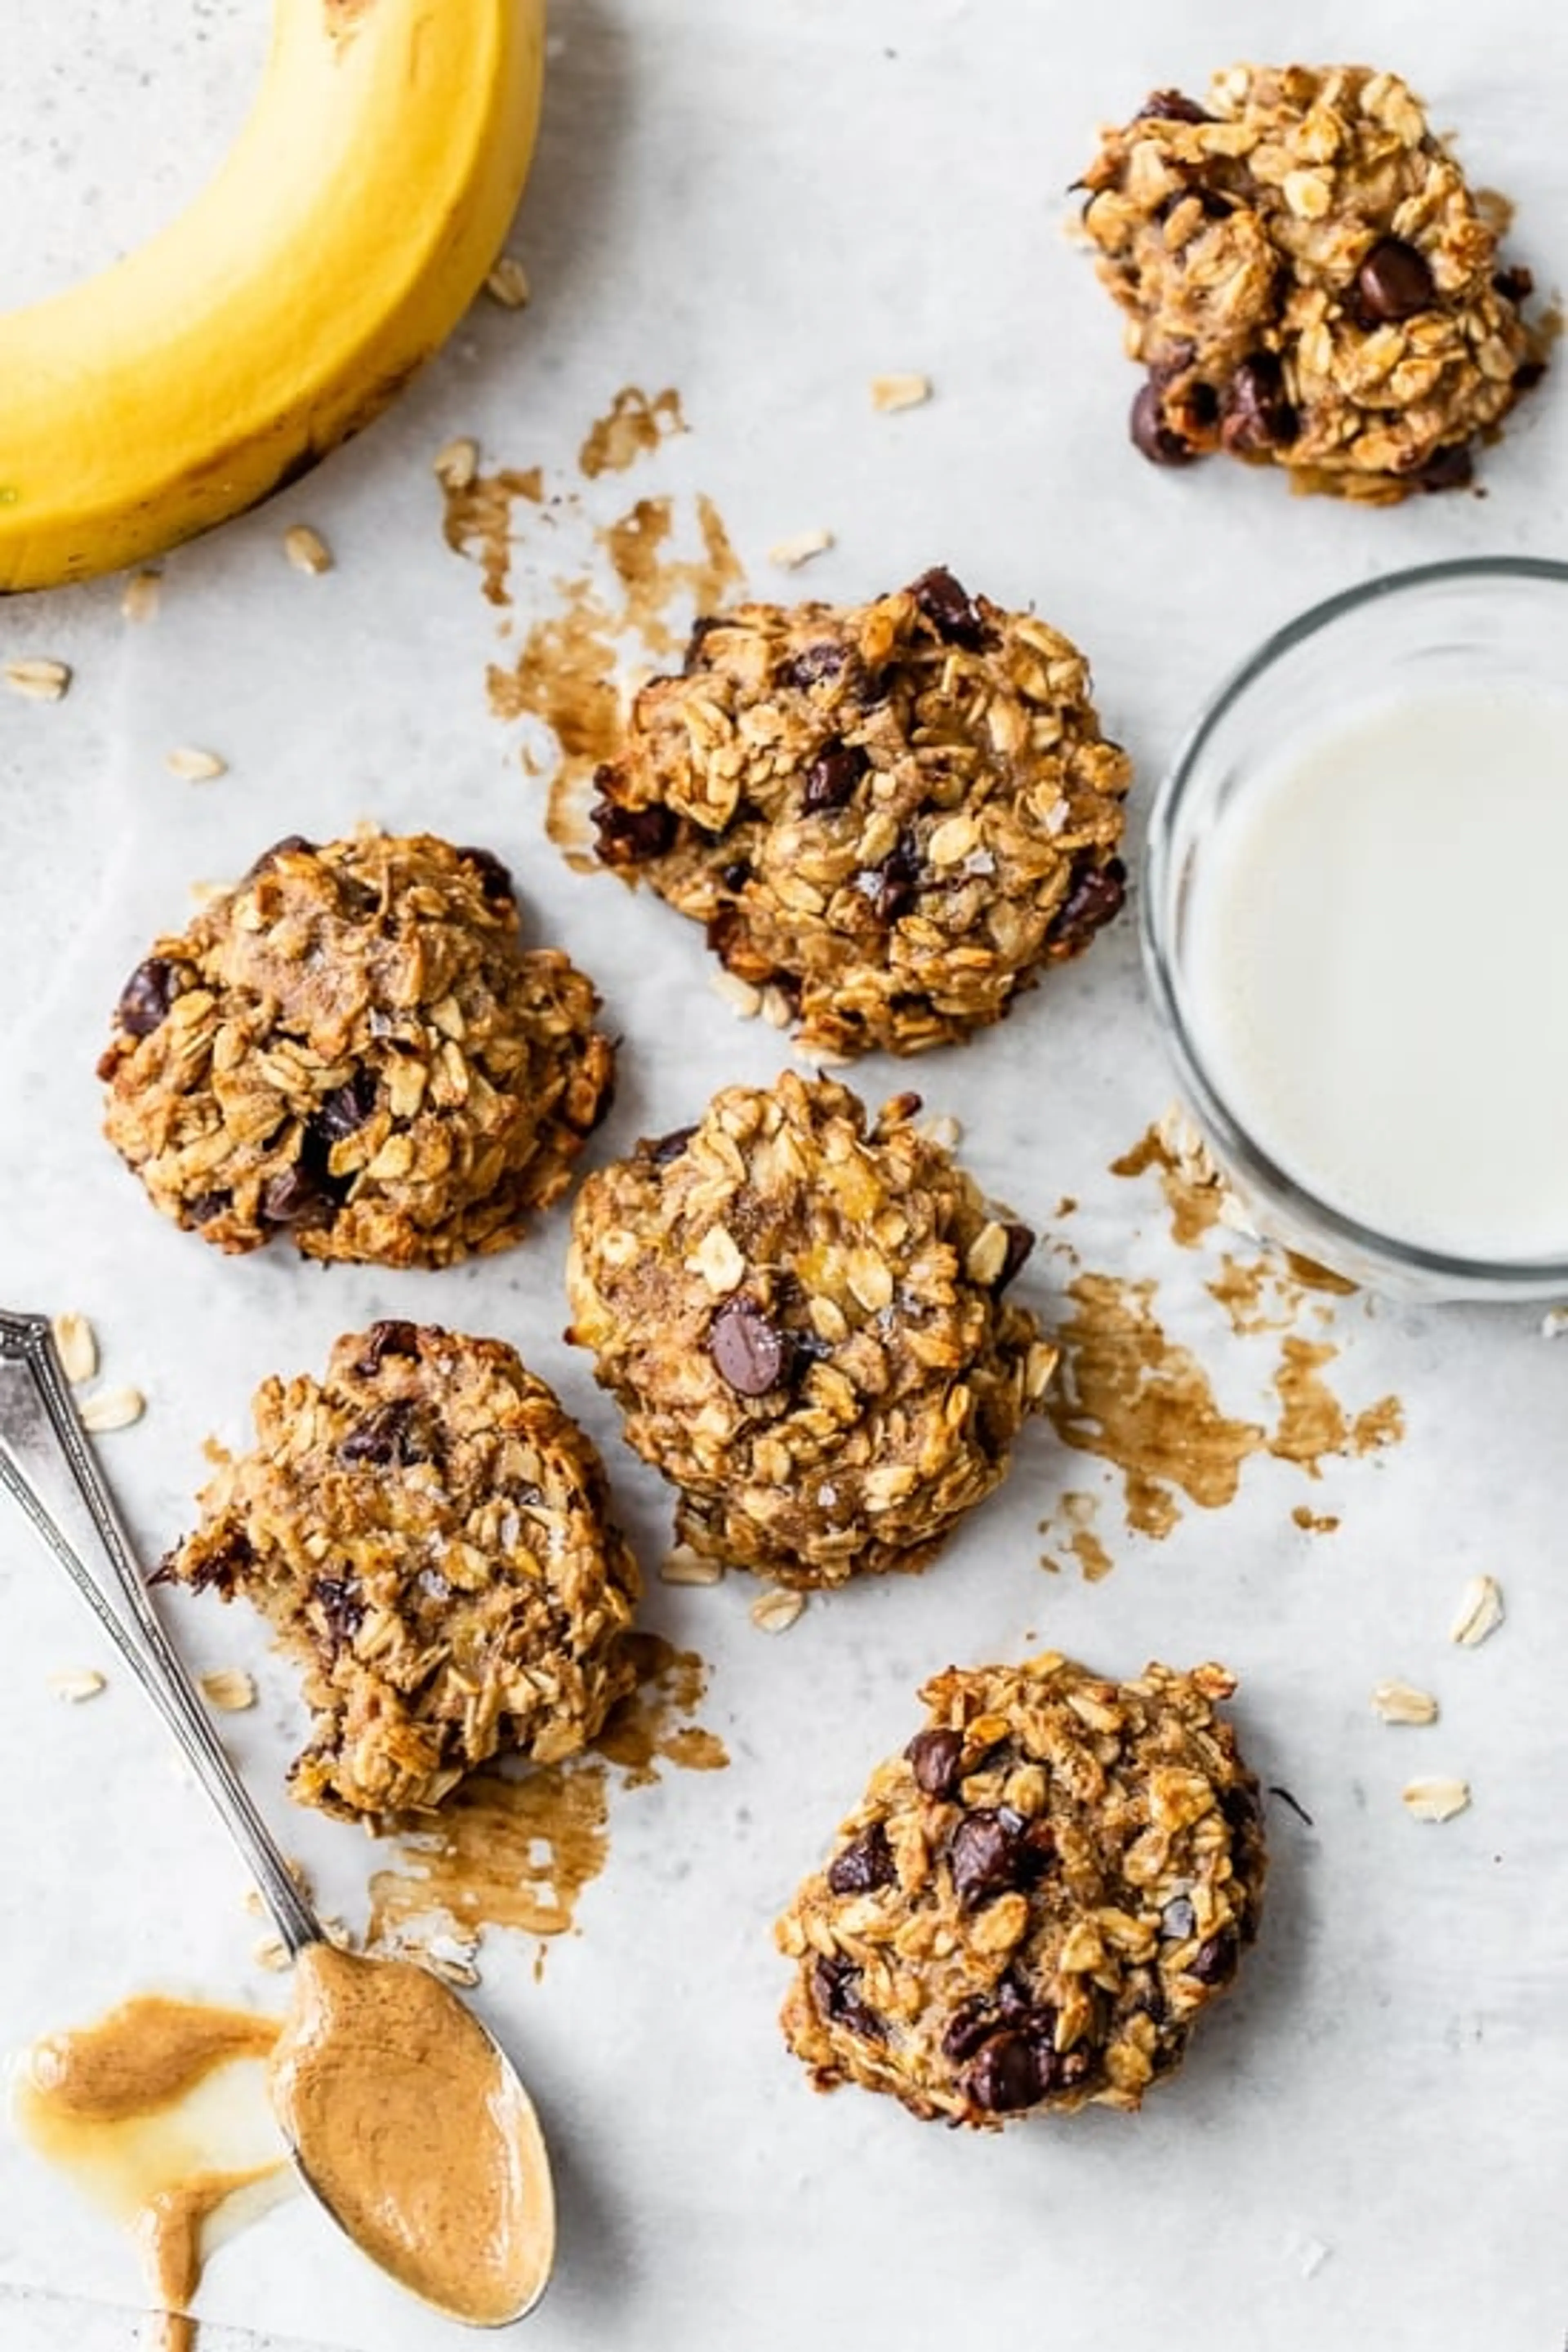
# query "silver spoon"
(48, 1467)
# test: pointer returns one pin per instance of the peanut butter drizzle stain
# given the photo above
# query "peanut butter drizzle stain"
(1313, 1276)
(635, 426)
(653, 584)
(1195, 1206)
(509, 1852)
(564, 675)
(477, 521)
(1079, 1512)
(1248, 1289)
(1314, 1523)
(1131, 1395)
(132, 2107)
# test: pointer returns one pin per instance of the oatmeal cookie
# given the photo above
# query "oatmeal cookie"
(426, 1532)
(352, 1046)
(1309, 281)
(801, 1315)
(892, 814)
(1030, 1905)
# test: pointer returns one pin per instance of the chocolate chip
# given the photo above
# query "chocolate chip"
(1258, 414)
(831, 779)
(866, 1862)
(1157, 440)
(232, 1556)
(1446, 470)
(207, 1206)
(665, 1148)
(947, 608)
(836, 1988)
(1213, 1962)
(295, 1196)
(338, 1599)
(145, 998)
(495, 879)
(386, 1337)
(1394, 281)
(1240, 1805)
(983, 1854)
(1515, 283)
(970, 2027)
(892, 887)
(1020, 1242)
(1095, 894)
(290, 844)
(1171, 106)
(345, 1110)
(1006, 2075)
(736, 875)
(628, 836)
(814, 664)
(748, 1349)
(697, 644)
(1178, 1919)
(936, 1756)
(390, 1437)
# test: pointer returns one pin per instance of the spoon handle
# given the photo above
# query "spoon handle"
(42, 1437)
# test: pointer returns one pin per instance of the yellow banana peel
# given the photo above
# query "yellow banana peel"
(354, 219)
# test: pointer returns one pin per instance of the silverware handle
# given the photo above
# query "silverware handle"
(41, 1431)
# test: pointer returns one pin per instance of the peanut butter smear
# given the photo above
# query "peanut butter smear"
(411, 2127)
(155, 2110)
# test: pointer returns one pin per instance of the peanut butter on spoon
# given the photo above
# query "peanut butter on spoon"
(410, 2126)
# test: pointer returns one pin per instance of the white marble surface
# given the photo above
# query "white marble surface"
(764, 206)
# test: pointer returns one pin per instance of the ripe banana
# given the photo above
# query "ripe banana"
(354, 220)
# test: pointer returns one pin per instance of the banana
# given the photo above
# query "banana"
(354, 220)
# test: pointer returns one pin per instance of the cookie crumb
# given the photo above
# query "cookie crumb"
(891, 393)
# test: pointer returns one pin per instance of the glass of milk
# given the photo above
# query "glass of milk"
(1355, 929)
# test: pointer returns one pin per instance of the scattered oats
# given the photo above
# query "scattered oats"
(775, 1008)
(684, 1566)
(891, 393)
(944, 1131)
(339, 1934)
(1480, 1612)
(743, 1001)
(228, 1688)
(775, 1612)
(1234, 1214)
(1554, 1322)
(75, 1346)
(1436, 1801)
(1180, 1136)
(112, 1409)
(139, 597)
(1397, 1702)
(75, 1684)
(272, 1953)
(251, 1901)
(306, 549)
(40, 680)
(507, 284)
(445, 1957)
(789, 554)
(193, 765)
(456, 464)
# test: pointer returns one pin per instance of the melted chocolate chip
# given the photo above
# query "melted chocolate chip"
(388, 1438)
(736, 875)
(345, 1110)
(232, 1557)
(1446, 470)
(983, 1854)
(747, 1347)
(1213, 1962)
(386, 1337)
(337, 1597)
(207, 1206)
(1178, 1919)
(935, 1757)
(1258, 414)
(629, 836)
(1020, 1242)
(831, 779)
(145, 998)
(968, 2029)
(702, 629)
(814, 664)
(1095, 894)
(291, 844)
(892, 887)
(495, 879)
(836, 1988)
(670, 1147)
(866, 1862)
(947, 608)
(1006, 2075)
(1171, 106)
(1152, 435)
(1515, 283)
(297, 1196)
(1394, 281)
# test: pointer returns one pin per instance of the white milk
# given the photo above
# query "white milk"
(1376, 957)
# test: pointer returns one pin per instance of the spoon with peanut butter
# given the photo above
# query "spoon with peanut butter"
(405, 2118)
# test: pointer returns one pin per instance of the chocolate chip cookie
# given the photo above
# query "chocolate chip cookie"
(893, 814)
(428, 1532)
(354, 1047)
(1030, 1905)
(1309, 281)
(803, 1315)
